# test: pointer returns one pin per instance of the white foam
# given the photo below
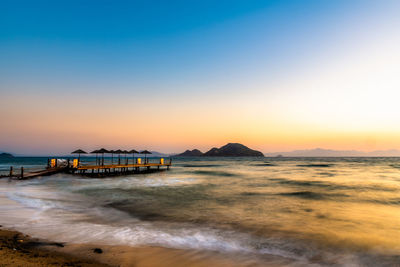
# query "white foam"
(46, 212)
(51, 216)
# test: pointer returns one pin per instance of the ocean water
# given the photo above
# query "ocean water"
(308, 211)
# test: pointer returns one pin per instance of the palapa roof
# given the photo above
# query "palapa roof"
(103, 150)
(79, 151)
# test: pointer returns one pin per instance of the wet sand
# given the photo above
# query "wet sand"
(17, 249)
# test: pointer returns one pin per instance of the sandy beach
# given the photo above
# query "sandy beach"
(17, 249)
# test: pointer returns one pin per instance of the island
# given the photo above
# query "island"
(190, 153)
(228, 150)
(6, 156)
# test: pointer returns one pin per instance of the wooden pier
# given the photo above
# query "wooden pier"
(98, 170)
(119, 169)
(22, 175)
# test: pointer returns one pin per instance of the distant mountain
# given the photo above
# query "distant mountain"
(5, 155)
(233, 150)
(320, 152)
(190, 153)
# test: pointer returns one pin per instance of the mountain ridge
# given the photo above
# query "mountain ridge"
(321, 152)
(228, 150)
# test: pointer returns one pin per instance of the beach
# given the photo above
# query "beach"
(17, 249)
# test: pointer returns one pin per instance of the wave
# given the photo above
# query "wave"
(333, 186)
(266, 164)
(311, 195)
(200, 165)
(252, 194)
(315, 165)
(395, 166)
(215, 173)
(391, 201)
(77, 222)
(329, 174)
(126, 231)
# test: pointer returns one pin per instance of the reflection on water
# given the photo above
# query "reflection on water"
(327, 211)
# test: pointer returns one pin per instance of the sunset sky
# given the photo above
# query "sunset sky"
(173, 75)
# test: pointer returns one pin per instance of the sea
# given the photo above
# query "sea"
(306, 211)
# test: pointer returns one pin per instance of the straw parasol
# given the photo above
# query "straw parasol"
(145, 152)
(133, 151)
(79, 152)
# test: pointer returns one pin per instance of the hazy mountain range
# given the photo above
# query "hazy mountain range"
(320, 152)
(228, 150)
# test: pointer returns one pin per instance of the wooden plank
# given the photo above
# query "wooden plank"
(45, 172)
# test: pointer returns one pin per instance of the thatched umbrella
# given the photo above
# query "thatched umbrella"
(133, 151)
(119, 151)
(79, 152)
(95, 152)
(103, 151)
(145, 152)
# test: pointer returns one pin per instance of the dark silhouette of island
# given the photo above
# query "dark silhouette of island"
(190, 153)
(5, 156)
(228, 150)
(233, 150)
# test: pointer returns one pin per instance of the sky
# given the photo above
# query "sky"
(177, 75)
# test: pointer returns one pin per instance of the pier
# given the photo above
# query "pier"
(99, 168)
(120, 169)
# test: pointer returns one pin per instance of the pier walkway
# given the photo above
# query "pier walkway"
(98, 170)
(119, 168)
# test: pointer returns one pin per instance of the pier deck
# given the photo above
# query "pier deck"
(120, 166)
(22, 175)
(91, 170)
(45, 172)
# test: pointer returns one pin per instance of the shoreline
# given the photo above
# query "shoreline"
(18, 249)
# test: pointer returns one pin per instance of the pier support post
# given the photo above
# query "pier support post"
(11, 171)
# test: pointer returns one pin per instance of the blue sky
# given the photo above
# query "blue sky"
(143, 41)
